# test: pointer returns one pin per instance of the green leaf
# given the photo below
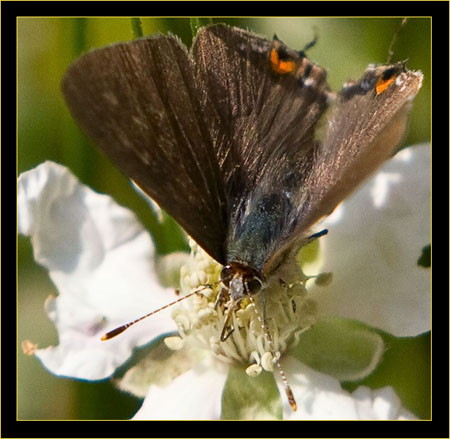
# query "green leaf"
(344, 349)
(246, 397)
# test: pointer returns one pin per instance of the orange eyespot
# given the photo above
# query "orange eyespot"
(383, 84)
(281, 66)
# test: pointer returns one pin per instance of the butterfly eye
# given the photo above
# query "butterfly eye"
(226, 274)
(253, 285)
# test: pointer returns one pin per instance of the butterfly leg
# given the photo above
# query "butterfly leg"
(220, 296)
(227, 329)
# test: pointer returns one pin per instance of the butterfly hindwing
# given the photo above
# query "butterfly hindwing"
(365, 128)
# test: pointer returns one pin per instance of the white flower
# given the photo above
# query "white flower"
(373, 246)
(102, 263)
(92, 247)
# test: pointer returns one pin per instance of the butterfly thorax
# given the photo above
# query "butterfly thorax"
(257, 227)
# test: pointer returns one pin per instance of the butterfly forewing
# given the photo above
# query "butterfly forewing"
(138, 101)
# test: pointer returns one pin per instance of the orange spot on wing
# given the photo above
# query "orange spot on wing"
(383, 84)
(280, 66)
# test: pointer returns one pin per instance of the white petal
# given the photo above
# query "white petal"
(320, 397)
(375, 239)
(379, 404)
(193, 395)
(101, 261)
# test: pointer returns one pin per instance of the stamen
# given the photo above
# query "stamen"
(234, 330)
(287, 387)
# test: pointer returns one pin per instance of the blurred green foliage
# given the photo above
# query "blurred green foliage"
(46, 131)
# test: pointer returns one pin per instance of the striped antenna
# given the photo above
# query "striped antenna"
(287, 387)
(122, 328)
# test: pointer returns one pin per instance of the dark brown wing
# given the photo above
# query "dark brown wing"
(139, 102)
(223, 139)
(253, 109)
(365, 129)
(264, 101)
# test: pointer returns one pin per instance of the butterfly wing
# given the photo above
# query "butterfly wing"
(223, 138)
(138, 101)
(254, 109)
(366, 127)
(265, 101)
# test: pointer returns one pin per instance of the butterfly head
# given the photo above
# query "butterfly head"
(241, 280)
(238, 281)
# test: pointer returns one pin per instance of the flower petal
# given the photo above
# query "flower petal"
(382, 403)
(101, 261)
(193, 395)
(159, 367)
(375, 240)
(320, 397)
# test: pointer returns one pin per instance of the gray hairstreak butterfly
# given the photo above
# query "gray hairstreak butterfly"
(222, 137)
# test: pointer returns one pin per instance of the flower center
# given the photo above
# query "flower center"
(281, 307)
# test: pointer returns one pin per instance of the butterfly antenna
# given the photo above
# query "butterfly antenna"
(122, 328)
(287, 387)
(394, 39)
(311, 43)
